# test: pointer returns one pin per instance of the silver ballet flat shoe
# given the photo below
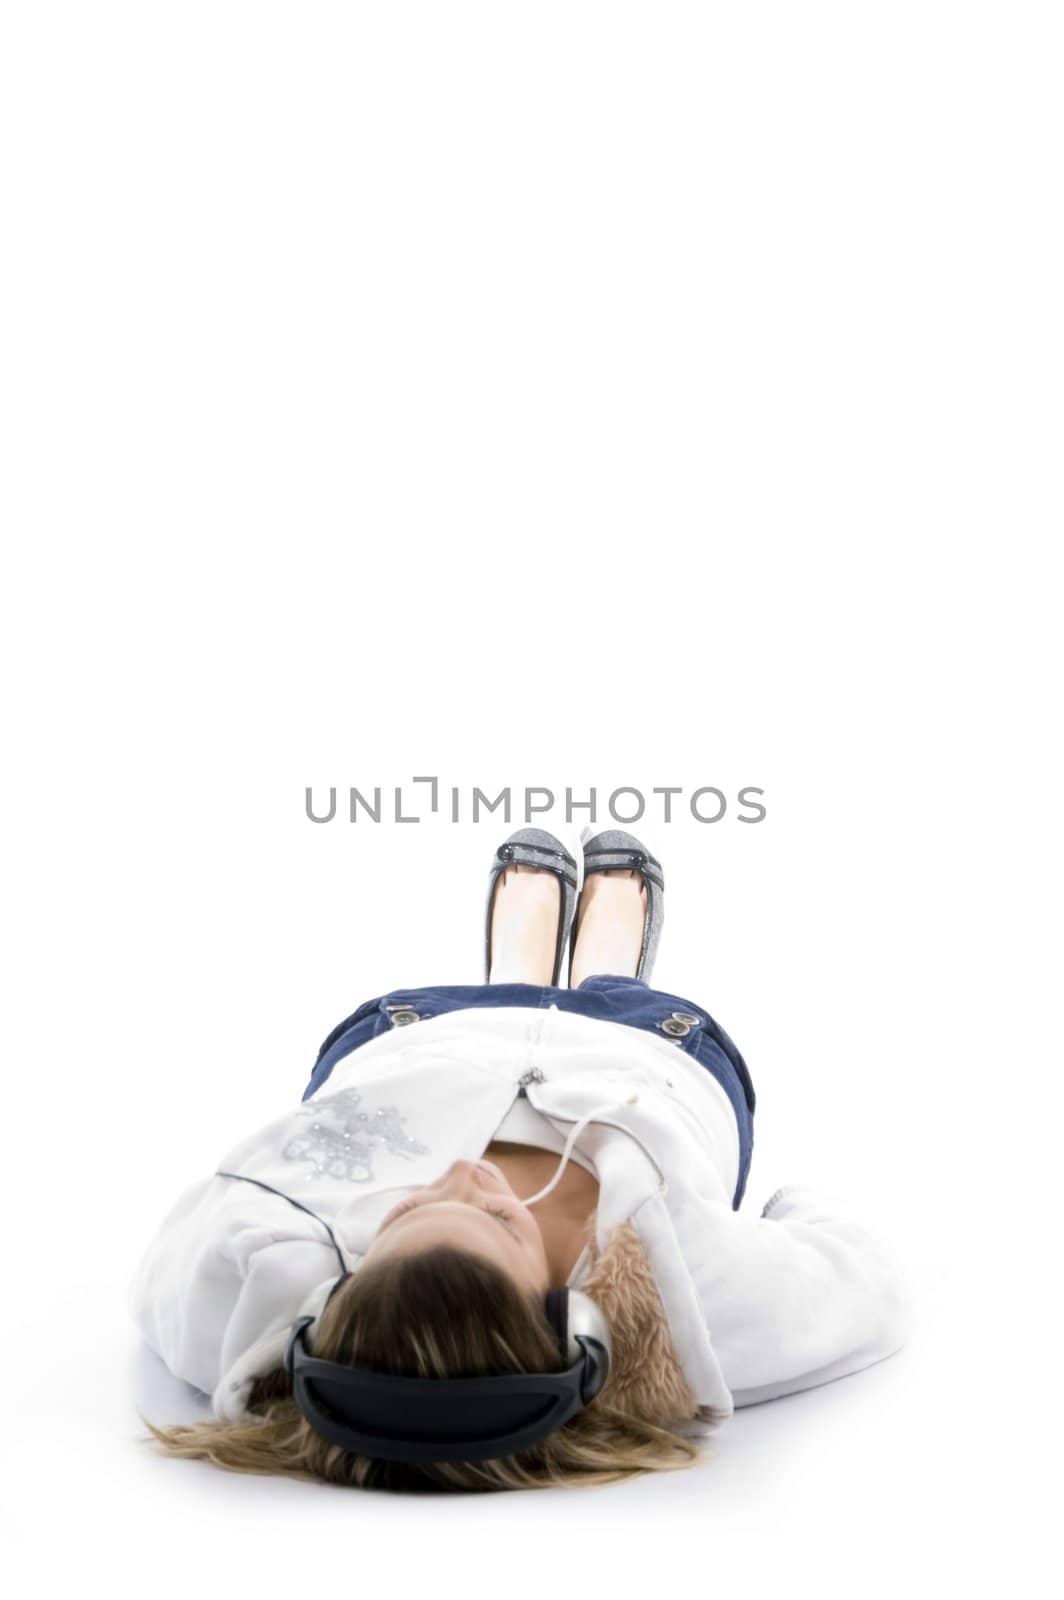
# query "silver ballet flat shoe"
(611, 848)
(535, 847)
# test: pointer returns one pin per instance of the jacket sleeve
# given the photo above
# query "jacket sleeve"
(227, 1265)
(800, 1296)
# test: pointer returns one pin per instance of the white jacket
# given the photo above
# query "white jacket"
(756, 1306)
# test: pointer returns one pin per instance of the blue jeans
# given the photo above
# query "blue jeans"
(630, 1001)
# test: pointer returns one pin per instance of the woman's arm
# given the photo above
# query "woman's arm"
(799, 1296)
(228, 1264)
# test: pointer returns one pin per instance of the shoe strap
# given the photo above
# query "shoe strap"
(605, 859)
(566, 866)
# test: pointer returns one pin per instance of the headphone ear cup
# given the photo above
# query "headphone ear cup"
(556, 1306)
(298, 1328)
(589, 1335)
(571, 1312)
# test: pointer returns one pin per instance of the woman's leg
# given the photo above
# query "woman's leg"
(524, 926)
(608, 932)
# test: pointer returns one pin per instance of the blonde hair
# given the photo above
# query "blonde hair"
(445, 1312)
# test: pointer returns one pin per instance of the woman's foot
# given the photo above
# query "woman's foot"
(608, 933)
(524, 926)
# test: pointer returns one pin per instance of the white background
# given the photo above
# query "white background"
(561, 394)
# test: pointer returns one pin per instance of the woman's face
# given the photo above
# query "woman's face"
(474, 1208)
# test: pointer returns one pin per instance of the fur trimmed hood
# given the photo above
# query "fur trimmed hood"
(646, 1378)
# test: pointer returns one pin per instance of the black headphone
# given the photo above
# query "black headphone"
(396, 1418)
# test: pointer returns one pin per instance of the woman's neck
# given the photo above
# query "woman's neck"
(566, 1216)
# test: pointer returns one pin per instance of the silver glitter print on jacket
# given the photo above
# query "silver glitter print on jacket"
(340, 1139)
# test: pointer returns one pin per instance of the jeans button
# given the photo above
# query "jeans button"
(688, 1017)
(674, 1027)
(400, 1018)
